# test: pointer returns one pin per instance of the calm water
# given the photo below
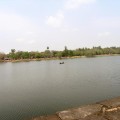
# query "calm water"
(37, 88)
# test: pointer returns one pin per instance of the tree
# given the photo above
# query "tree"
(19, 55)
(32, 55)
(47, 53)
(25, 55)
(12, 54)
(89, 53)
(37, 55)
(65, 52)
(2, 56)
(12, 50)
(47, 47)
(66, 48)
(59, 54)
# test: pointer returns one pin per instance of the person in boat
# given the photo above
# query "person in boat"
(61, 62)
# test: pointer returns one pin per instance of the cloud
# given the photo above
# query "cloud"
(72, 4)
(30, 33)
(55, 21)
(108, 22)
(69, 29)
(25, 40)
(31, 42)
(104, 34)
(13, 22)
(17, 31)
(20, 40)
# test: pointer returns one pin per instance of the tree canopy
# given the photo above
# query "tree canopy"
(88, 52)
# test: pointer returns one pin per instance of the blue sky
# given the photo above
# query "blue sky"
(32, 25)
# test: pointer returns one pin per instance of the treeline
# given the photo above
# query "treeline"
(88, 52)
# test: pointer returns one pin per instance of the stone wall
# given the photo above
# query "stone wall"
(104, 110)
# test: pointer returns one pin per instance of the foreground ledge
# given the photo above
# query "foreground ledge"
(104, 110)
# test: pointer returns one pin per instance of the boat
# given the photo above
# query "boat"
(61, 62)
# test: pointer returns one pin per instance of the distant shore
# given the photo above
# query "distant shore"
(56, 58)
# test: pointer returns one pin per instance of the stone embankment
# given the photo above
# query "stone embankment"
(104, 110)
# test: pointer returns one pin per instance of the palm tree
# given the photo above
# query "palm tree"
(47, 47)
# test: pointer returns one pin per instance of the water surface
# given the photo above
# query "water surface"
(30, 89)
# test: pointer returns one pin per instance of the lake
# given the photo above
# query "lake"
(36, 88)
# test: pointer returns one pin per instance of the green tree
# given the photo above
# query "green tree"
(65, 52)
(12, 54)
(13, 50)
(37, 55)
(25, 55)
(47, 53)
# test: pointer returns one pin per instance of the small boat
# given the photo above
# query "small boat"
(61, 62)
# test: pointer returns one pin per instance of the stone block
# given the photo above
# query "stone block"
(113, 103)
(79, 113)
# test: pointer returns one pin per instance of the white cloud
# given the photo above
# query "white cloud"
(69, 29)
(55, 21)
(31, 42)
(25, 40)
(104, 34)
(72, 4)
(13, 22)
(20, 40)
(30, 33)
(108, 22)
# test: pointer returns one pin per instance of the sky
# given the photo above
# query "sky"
(32, 25)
